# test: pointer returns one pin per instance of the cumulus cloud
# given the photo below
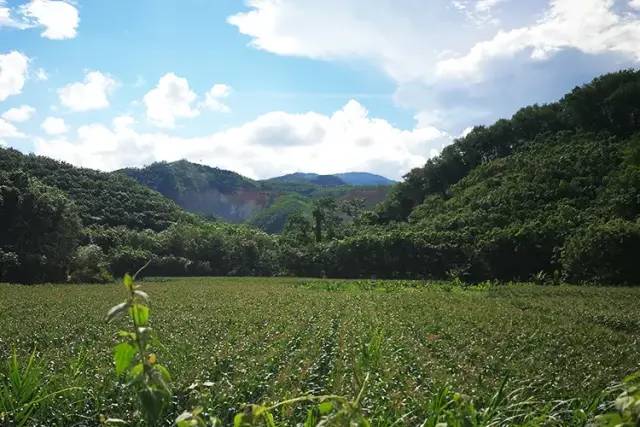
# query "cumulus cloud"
(171, 99)
(60, 19)
(6, 18)
(478, 11)
(400, 37)
(214, 97)
(54, 126)
(565, 25)
(41, 75)
(19, 114)
(460, 62)
(91, 94)
(13, 73)
(273, 143)
(8, 130)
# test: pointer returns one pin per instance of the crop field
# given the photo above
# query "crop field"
(233, 341)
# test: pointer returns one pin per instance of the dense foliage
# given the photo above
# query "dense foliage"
(101, 198)
(551, 194)
(64, 223)
(608, 104)
(40, 229)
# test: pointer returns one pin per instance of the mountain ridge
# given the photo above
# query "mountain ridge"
(224, 194)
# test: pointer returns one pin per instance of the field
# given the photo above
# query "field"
(264, 340)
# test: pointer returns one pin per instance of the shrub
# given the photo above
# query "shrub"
(89, 265)
(126, 260)
(604, 253)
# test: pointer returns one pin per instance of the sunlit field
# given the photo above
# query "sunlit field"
(264, 340)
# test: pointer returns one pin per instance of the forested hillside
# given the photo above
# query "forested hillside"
(100, 198)
(201, 189)
(551, 194)
(267, 204)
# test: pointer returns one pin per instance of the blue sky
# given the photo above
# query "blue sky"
(267, 87)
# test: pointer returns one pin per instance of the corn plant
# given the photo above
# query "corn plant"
(134, 358)
(22, 390)
(325, 410)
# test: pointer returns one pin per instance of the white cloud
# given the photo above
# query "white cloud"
(402, 38)
(19, 114)
(6, 20)
(92, 94)
(213, 98)
(273, 143)
(13, 72)
(54, 126)
(8, 130)
(41, 75)
(564, 26)
(169, 100)
(461, 62)
(123, 122)
(60, 19)
(411, 40)
(478, 11)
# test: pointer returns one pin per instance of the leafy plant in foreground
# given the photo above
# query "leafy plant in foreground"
(627, 406)
(134, 358)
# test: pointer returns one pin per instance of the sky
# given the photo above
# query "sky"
(268, 87)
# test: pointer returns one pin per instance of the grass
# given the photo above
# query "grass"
(264, 340)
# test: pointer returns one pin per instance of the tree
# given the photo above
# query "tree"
(89, 265)
(41, 228)
(297, 230)
(325, 218)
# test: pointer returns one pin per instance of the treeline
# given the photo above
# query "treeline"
(551, 194)
(44, 239)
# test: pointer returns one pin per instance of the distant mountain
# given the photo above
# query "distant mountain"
(266, 204)
(348, 178)
(204, 190)
(364, 179)
(310, 178)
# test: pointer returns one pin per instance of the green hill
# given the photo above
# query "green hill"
(610, 103)
(101, 198)
(552, 192)
(232, 197)
(204, 190)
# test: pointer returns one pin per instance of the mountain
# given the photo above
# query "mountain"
(267, 204)
(335, 180)
(608, 104)
(204, 190)
(309, 178)
(550, 195)
(553, 193)
(101, 198)
(364, 179)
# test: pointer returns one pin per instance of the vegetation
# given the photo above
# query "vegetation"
(267, 204)
(514, 354)
(101, 199)
(553, 194)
